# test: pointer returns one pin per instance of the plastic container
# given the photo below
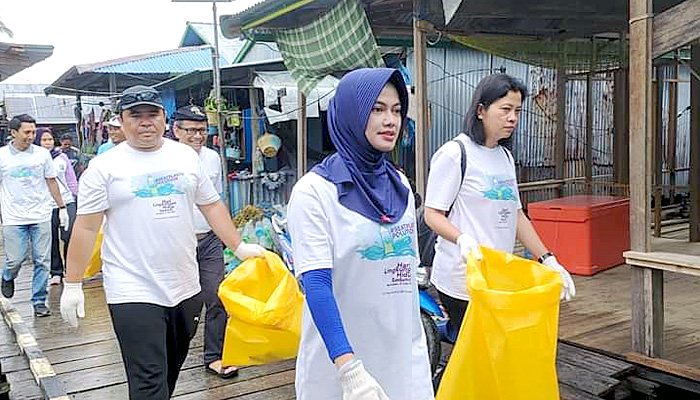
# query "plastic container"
(588, 234)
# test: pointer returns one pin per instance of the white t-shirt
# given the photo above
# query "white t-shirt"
(211, 165)
(25, 195)
(148, 250)
(486, 206)
(373, 268)
(60, 164)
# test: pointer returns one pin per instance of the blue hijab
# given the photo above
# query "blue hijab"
(366, 181)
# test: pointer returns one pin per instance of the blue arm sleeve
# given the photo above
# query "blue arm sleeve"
(318, 285)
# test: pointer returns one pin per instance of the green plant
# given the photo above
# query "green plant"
(210, 103)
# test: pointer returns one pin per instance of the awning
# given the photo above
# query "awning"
(279, 88)
(15, 57)
(340, 40)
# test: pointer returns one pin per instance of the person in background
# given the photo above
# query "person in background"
(76, 157)
(190, 128)
(68, 185)
(116, 135)
(145, 190)
(27, 187)
(353, 227)
(483, 207)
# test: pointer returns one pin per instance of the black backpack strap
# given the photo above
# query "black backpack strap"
(463, 167)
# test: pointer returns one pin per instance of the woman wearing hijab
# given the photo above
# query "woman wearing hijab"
(352, 222)
(68, 184)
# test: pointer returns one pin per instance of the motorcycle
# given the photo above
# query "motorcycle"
(436, 324)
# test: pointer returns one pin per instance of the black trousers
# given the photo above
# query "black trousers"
(455, 308)
(57, 233)
(154, 341)
(210, 258)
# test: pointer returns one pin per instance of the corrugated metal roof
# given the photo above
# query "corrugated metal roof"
(199, 33)
(180, 60)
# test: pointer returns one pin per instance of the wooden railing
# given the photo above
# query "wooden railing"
(555, 188)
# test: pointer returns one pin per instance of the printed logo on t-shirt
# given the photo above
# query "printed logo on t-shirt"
(158, 184)
(499, 188)
(392, 241)
(22, 172)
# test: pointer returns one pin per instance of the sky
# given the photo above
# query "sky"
(88, 31)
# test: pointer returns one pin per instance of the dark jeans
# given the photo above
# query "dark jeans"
(455, 308)
(210, 258)
(57, 264)
(154, 341)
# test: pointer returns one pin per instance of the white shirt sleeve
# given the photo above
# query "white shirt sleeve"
(308, 227)
(444, 177)
(49, 168)
(92, 192)
(206, 194)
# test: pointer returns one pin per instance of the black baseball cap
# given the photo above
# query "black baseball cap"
(189, 113)
(140, 95)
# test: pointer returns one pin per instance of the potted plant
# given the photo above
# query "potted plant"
(210, 108)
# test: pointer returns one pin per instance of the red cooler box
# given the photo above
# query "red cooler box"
(587, 233)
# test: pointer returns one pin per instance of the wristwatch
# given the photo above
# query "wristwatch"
(544, 256)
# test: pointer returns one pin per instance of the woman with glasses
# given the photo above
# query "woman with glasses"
(68, 185)
(353, 227)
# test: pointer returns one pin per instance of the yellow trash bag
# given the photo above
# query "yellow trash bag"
(95, 264)
(264, 307)
(507, 345)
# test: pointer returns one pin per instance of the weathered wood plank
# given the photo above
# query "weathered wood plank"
(594, 362)
(694, 173)
(676, 27)
(585, 380)
(567, 392)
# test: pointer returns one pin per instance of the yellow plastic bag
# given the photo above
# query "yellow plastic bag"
(506, 349)
(95, 264)
(264, 305)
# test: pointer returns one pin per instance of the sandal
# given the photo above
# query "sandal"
(222, 373)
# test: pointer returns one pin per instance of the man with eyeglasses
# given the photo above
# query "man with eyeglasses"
(146, 190)
(190, 128)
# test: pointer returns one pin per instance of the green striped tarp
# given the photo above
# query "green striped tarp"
(339, 40)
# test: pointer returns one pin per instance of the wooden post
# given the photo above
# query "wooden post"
(254, 130)
(589, 118)
(657, 160)
(302, 134)
(421, 96)
(694, 176)
(621, 136)
(647, 284)
(560, 134)
(672, 127)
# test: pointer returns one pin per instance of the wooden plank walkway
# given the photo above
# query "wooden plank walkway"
(88, 363)
(600, 315)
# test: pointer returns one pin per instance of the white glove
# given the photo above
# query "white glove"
(63, 217)
(358, 384)
(568, 290)
(467, 245)
(245, 251)
(72, 302)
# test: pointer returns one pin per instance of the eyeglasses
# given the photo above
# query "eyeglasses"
(131, 98)
(194, 131)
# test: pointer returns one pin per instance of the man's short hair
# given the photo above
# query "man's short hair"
(17, 120)
(66, 136)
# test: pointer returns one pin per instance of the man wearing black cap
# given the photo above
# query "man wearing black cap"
(146, 190)
(190, 128)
